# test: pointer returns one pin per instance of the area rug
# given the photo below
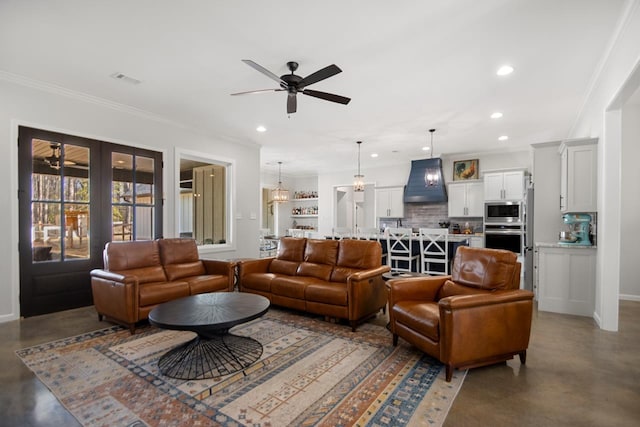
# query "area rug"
(311, 373)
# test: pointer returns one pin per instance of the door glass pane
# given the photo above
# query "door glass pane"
(144, 223)
(121, 178)
(45, 231)
(76, 241)
(45, 178)
(122, 220)
(76, 173)
(144, 180)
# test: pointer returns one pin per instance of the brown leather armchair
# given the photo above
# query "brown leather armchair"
(475, 317)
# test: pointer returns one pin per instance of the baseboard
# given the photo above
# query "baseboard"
(8, 317)
(596, 317)
(628, 297)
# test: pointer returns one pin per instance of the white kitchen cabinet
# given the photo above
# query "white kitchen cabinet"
(466, 199)
(504, 185)
(565, 279)
(390, 202)
(578, 176)
(476, 242)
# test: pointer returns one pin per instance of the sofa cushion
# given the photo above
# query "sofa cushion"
(292, 287)
(257, 281)
(321, 251)
(159, 292)
(341, 274)
(180, 258)
(360, 254)
(291, 249)
(139, 258)
(327, 293)
(319, 271)
(178, 251)
(187, 269)
(419, 316)
(279, 266)
(207, 283)
(485, 269)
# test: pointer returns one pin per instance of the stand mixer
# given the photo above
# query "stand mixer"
(578, 230)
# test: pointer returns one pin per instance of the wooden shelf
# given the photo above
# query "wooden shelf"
(304, 200)
(304, 216)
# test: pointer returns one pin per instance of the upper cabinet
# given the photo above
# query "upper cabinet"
(578, 175)
(504, 185)
(466, 199)
(390, 202)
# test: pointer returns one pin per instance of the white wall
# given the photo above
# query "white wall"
(615, 79)
(37, 105)
(630, 211)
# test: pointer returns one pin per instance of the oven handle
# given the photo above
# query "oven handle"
(504, 232)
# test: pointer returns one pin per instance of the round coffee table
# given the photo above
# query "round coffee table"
(214, 352)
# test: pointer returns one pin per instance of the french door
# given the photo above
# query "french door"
(76, 194)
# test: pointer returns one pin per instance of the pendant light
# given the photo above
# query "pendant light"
(358, 182)
(280, 195)
(431, 176)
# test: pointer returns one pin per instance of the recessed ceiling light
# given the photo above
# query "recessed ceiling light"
(496, 115)
(374, 154)
(505, 70)
(261, 128)
(503, 138)
(425, 148)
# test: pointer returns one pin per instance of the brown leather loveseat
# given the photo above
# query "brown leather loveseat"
(139, 275)
(477, 316)
(337, 279)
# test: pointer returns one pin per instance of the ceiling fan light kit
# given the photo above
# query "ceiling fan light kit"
(294, 84)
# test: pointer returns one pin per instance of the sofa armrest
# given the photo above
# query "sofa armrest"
(251, 266)
(473, 327)
(114, 277)
(219, 266)
(366, 292)
(115, 295)
(415, 288)
(222, 268)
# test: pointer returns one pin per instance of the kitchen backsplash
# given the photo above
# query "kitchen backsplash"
(428, 215)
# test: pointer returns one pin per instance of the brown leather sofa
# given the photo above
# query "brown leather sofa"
(477, 316)
(139, 275)
(337, 279)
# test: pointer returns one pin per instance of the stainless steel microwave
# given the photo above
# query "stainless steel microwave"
(503, 212)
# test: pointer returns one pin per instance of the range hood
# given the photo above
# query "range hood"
(418, 189)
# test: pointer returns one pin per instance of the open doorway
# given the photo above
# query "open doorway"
(354, 210)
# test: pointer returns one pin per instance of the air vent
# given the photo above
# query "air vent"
(125, 78)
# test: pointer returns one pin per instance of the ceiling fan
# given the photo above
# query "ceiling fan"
(295, 84)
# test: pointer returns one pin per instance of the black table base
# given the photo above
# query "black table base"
(210, 356)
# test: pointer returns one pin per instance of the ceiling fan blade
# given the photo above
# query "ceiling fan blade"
(322, 74)
(327, 96)
(264, 71)
(256, 91)
(292, 103)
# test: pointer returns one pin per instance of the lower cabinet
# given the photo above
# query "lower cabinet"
(566, 279)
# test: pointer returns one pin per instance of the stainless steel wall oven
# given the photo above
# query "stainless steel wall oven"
(505, 236)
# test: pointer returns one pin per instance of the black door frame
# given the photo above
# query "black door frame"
(59, 285)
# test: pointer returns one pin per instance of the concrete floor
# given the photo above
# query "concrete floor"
(576, 375)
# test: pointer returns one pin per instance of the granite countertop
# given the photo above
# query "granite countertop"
(558, 245)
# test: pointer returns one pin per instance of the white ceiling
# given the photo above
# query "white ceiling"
(407, 65)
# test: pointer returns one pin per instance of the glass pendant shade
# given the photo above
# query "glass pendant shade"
(279, 194)
(358, 182)
(431, 175)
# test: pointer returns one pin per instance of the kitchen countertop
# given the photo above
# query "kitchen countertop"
(558, 245)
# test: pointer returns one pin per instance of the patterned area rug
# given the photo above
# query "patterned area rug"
(311, 373)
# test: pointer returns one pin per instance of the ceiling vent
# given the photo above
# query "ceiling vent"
(125, 78)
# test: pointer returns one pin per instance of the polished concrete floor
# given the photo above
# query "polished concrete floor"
(576, 375)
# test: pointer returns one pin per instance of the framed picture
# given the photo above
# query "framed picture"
(465, 169)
